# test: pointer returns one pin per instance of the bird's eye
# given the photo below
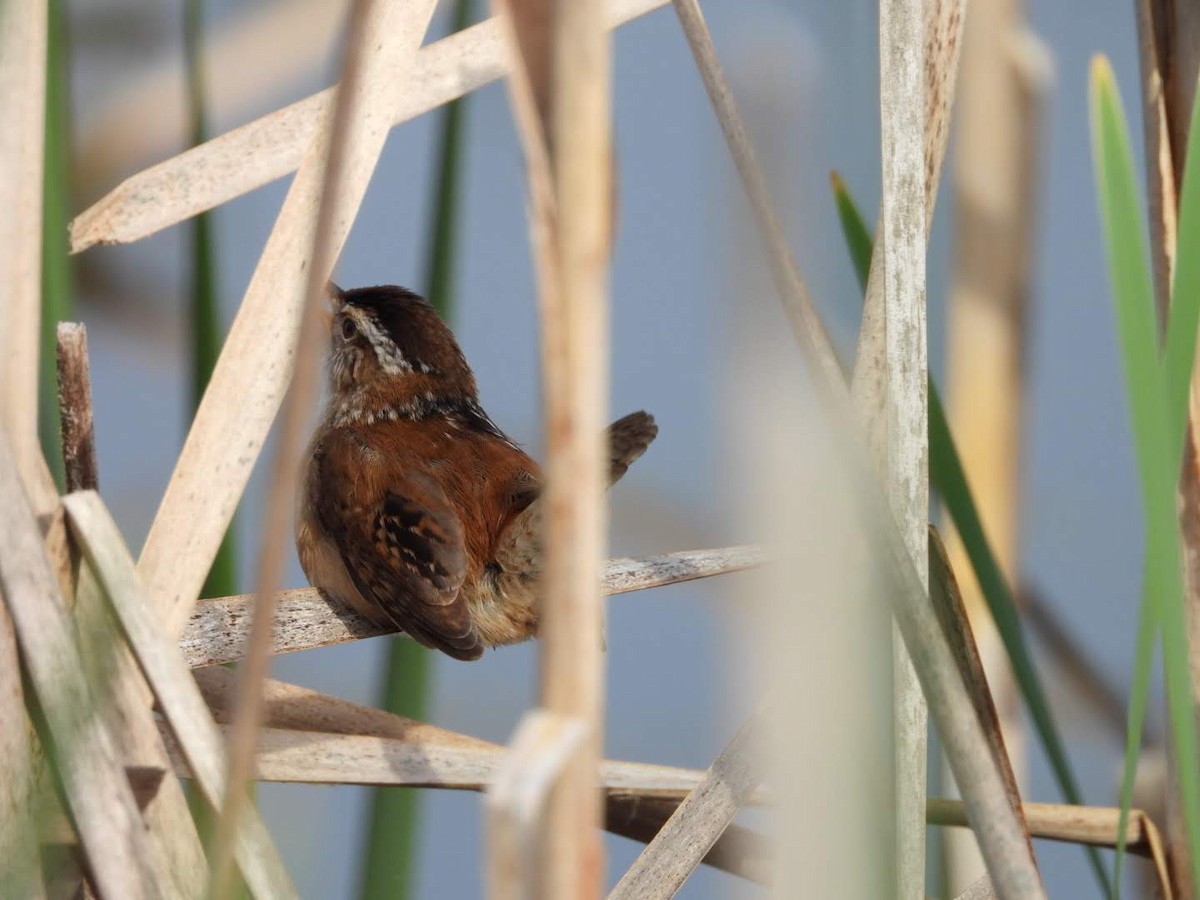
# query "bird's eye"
(348, 329)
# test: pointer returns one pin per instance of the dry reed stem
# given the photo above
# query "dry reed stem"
(169, 678)
(75, 408)
(797, 304)
(1169, 52)
(676, 851)
(143, 119)
(270, 147)
(1006, 75)
(381, 35)
(962, 735)
(944, 24)
(568, 83)
(1092, 825)
(252, 373)
(289, 706)
(905, 449)
(217, 630)
(23, 36)
(84, 752)
(516, 800)
(22, 87)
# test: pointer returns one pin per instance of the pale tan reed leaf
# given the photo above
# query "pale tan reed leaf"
(662, 868)
(310, 757)
(148, 118)
(272, 146)
(178, 697)
(217, 630)
(254, 368)
(82, 748)
(289, 706)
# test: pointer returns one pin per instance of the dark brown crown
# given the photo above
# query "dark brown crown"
(420, 337)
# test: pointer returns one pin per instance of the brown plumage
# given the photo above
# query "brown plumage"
(416, 509)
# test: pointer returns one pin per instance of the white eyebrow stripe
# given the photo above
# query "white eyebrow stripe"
(390, 358)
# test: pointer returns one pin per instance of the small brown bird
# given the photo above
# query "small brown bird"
(415, 508)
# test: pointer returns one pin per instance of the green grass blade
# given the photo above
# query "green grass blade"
(204, 312)
(57, 280)
(949, 479)
(859, 240)
(388, 867)
(1158, 459)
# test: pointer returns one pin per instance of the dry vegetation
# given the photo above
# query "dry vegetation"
(114, 678)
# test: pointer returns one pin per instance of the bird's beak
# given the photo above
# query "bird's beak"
(337, 297)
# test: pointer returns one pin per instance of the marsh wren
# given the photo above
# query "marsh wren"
(415, 508)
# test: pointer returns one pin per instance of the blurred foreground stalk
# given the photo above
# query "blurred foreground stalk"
(388, 870)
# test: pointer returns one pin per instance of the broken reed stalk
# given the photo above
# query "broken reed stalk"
(702, 817)
(1004, 86)
(171, 834)
(178, 697)
(75, 408)
(905, 457)
(350, 147)
(1005, 846)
